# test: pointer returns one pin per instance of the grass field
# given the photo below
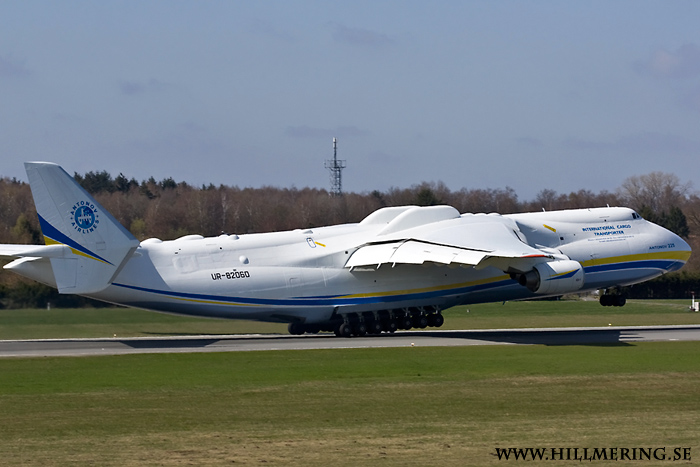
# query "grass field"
(124, 322)
(391, 407)
(410, 406)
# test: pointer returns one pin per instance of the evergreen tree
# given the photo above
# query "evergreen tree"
(96, 182)
(676, 222)
(427, 197)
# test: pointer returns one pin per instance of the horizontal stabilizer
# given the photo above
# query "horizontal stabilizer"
(34, 251)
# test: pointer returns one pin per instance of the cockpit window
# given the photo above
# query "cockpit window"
(635, 215)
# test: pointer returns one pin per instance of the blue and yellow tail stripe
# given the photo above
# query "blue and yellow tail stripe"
(53, 236)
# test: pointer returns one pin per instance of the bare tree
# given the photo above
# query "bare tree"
(657, 191)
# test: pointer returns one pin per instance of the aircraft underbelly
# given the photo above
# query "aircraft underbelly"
(311, 294)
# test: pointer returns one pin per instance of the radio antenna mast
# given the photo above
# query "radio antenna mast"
(335, 167)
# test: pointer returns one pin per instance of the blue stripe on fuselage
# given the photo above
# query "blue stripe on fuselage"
(343, 300)
(319, 300)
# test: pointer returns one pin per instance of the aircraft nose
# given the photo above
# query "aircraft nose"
(674, 249)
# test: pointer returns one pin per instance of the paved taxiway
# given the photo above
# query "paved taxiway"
(549, 336)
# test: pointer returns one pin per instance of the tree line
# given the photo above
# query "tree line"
(168, 209)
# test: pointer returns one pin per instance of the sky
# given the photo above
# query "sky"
(530, 95)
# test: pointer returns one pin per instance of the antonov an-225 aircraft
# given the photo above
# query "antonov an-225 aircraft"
(399, 268)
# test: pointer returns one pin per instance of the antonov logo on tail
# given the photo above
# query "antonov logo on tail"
(84, 217)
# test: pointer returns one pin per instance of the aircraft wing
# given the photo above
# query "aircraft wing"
(479, 245)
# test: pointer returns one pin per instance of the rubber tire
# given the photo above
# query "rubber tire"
(375, 327)
(345, 330)
(390, 325)
(420, 322)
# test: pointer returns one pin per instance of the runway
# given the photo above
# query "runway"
(232, 343)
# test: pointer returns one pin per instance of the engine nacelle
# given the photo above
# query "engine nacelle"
(553, 278)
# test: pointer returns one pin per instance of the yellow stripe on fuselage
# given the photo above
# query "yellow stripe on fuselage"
(427, 289)
(678, 255)
(214, 302)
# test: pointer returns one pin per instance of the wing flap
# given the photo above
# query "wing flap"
(514, 263)
(417, 252)
(372, 255)
(413, 252)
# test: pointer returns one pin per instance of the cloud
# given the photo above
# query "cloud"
(681, 64)
(265, 28)
(528, 141)
(305, 131)
(135, 88)
(647, 142)
(359, 37)
(12, 68)
(187, 139)
(691, 99)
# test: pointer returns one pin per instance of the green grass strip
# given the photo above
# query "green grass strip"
(404, 406)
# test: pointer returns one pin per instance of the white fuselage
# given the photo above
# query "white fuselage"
(301, 275)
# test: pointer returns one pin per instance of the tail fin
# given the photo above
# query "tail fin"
(98, 245)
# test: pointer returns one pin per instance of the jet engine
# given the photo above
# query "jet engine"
(553, 278)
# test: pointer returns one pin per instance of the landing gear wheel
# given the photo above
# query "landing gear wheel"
(612, 300)
(345, 330)
(390, 325)
(375, 327)
(420, 322)
(360, 329)
(437, 320)
(296, 329)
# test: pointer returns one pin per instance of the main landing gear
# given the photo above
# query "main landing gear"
(375, 322)
(612, 298)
